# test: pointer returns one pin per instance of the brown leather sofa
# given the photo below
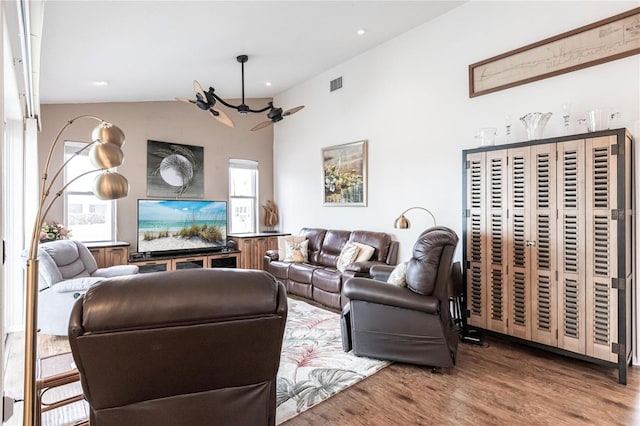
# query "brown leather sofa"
(319, 279)
(409, 324)
(187, 347)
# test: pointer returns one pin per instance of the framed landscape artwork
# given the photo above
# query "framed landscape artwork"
(174, 170)
(344, 174)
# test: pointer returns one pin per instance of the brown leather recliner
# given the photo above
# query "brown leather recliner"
(407, 324)
(187, 347)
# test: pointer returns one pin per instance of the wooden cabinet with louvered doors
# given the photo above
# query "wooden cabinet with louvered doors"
(475, 240)
(571, 245)
(544, 289)
(519, 244)
(560, 273)
(496, 244)
(601, 248)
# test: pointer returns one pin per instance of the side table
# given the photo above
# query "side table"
(52, 372)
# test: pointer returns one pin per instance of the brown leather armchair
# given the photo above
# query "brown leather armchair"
(407, 324)
(188, 347)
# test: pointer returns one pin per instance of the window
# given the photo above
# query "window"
(88, 218)
(243, 196)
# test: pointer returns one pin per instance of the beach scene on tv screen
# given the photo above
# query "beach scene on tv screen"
(168, 225)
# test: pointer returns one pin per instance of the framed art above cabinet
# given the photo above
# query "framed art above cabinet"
(603, 41)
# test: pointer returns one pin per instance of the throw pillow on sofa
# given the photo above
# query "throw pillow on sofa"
(364, 253)
(296, 252)
(347, 256)
(398, 275)
(292, 238)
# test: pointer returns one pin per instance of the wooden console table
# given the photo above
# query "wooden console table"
(254, 246)
(109, 253)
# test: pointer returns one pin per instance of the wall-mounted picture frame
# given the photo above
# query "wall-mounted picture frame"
(603, 41)
(344, 175)
(174, 170)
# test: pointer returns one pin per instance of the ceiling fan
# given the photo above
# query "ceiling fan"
(207, 100)
(274, 115)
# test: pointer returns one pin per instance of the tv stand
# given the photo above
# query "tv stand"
(222, 259)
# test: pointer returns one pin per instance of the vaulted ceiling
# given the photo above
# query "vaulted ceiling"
(111, 51)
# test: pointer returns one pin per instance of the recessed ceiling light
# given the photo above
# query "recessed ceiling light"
(268, 83)
(361, 31)
(100, 83)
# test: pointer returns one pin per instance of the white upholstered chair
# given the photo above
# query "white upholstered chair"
(66, 270)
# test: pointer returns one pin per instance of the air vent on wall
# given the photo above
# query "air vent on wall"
(335, 84)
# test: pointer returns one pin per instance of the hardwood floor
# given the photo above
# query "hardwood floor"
(503, 383)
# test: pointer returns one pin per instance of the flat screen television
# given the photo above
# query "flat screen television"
(189, 226)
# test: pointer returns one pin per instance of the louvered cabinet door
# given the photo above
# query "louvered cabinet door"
(519, 255)
(625, 329)
(544, 300)
(496, 226)
(571, 246)
(601, 248)
(476, 241)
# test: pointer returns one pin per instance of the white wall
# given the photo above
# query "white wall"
(409, 99)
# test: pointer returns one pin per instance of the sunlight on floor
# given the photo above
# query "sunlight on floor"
(14, 374)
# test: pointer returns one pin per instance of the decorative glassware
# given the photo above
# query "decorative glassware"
(600, 119)
(487, 136)
(534, 122)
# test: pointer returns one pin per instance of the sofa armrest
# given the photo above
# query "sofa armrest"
(271, 255)
(368, 290)
(76, 284)
(381, 272)
(363, 268)
(116, 271)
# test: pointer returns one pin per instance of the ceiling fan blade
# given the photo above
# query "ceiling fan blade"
(222, 117)
(261, 125)
(292, 110)
(198, 89)
(186, 100)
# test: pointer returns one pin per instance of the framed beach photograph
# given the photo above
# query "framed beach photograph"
(344, 174)
(174, 170)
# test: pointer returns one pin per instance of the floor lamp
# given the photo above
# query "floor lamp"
(104, 153)
(403, 223)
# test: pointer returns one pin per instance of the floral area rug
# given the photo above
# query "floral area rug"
(313, 365)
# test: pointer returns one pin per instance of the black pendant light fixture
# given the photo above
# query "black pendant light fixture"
(207, 100)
